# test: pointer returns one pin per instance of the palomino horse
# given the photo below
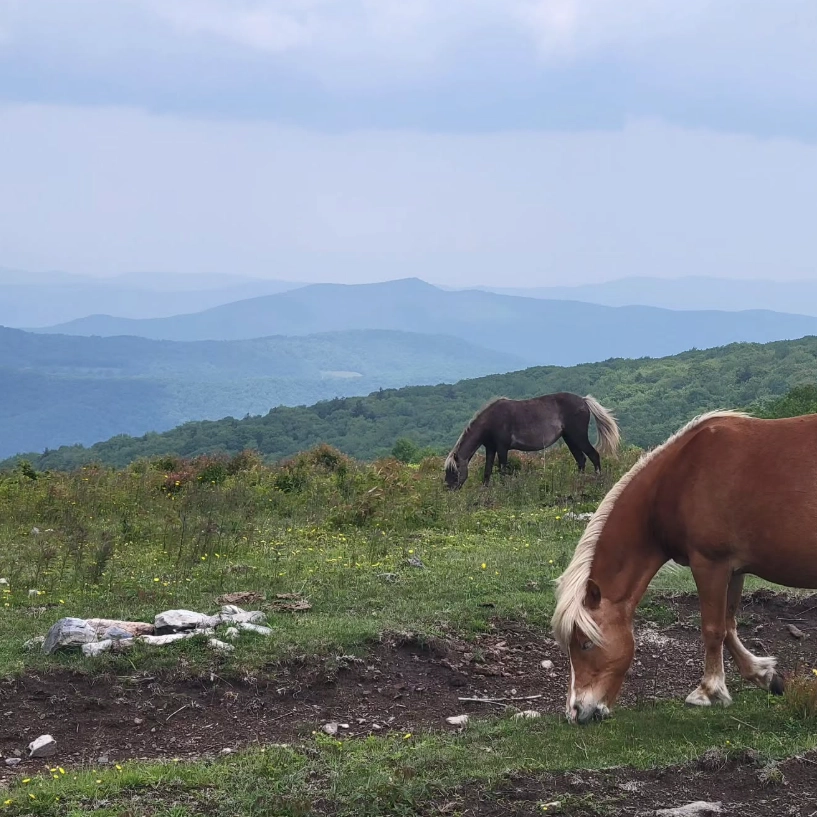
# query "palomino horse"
(726, 495)
(532, 425)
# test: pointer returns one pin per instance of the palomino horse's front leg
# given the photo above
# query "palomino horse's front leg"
(712, 580)
(755, 669)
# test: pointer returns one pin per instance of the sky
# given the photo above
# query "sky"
(504, 142)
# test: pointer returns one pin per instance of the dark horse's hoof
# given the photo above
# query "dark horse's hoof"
(777, 686)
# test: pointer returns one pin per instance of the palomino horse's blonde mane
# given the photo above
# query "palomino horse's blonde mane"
(450, 462)
(571, 586)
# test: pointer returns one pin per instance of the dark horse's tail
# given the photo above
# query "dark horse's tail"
(609, 435)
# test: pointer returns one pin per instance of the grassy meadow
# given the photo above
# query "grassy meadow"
(169, 533)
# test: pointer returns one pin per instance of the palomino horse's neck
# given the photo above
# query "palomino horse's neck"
(626, 556)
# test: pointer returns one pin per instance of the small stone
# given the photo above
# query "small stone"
(13, 761)
(35, 531)
(415, 561)
(528, 714)
(254, 617)
(457, 720)
(330, 728)
(254, 628)
(67, 633)
(220, 646)
(227, 751)
(97, 647)
(546, 664)
(232, 633)
(43, 746)
(103, 760)
(34, 643)
(795, 632)
(32, 594)
(170, 638)
(4, 582)
(175, 621)
(113, 628)
(231, 610)
(138, 721)
(699, 808)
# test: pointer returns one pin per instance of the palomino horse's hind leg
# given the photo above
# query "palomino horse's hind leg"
(755, 669)
(712, 580)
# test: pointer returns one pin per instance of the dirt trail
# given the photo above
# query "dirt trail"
(400, 686)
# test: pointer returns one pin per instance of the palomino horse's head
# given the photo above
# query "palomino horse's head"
(600, 645)
(456, 472)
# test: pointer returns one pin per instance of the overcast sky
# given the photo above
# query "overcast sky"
(514, 142)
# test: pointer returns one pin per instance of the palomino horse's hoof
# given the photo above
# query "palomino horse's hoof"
(778, 685)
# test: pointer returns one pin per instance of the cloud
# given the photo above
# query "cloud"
(452, 65)
(113, 190)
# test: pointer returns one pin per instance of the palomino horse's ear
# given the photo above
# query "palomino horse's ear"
(592, 595)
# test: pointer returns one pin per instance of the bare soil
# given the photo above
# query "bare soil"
(405, 685)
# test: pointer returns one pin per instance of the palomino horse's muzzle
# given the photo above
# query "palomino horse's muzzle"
(583, 715)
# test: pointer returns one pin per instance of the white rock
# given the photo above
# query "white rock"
(220, 646)
(546, 664)
(231, 610)
(528, 714)
(97, 647)
(330, 728)
(171, 638)
(34, 643)
(254, 628)
(697, 809)
(181, 620)
(132, 628)
(13, 761)
(255, 617)
(4, 582)
(227, 751)
(43, 746)
(32, 594)
(232, 633)
(457, 720)
(68, 632)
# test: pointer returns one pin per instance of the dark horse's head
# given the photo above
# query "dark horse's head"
(456, 472)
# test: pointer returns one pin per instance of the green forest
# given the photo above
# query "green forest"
(650, 397)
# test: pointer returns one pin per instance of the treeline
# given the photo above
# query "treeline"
(651, 398)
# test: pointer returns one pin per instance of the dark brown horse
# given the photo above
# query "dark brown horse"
(728, 495)
(532, 425)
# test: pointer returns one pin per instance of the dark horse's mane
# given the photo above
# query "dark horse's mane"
(450, 464)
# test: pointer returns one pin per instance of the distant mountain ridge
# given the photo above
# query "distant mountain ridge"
(33, 300)
(539, 331)
(688, 293)
(57, 390)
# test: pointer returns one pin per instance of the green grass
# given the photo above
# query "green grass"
(169, 534)
(405, 774)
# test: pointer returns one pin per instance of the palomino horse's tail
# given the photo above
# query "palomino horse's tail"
(609, 434)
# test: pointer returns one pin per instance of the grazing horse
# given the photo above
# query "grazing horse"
(727, 495)
(532, 425)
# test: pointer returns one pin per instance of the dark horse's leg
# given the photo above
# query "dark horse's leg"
(577, 453)
(490, 454)
(502, 453)
(578, 433)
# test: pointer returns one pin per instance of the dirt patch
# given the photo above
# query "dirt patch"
(742, 786)
(402, 685)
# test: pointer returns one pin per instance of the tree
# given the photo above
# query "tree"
(404, 450)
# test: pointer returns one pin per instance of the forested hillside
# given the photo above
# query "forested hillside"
(57, 390)
(650, 397)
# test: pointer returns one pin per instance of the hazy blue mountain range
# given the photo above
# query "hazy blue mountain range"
(33, 300)
(535, 330)
(693, 292)
(57, 390)
(651, 398)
